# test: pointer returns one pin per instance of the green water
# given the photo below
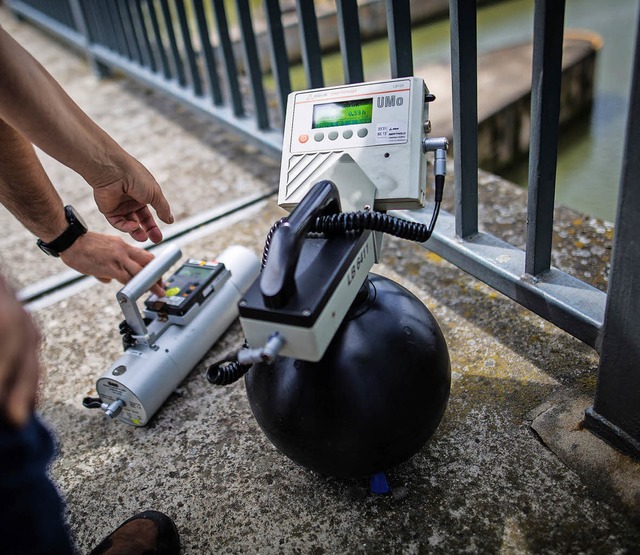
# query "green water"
(590, 152)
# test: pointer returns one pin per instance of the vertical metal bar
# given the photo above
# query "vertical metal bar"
(228, 58)
(399, 30)
(67, 16)
(252, 63)
(112, 20)
(173, 43)
(97, 28)
(464, 74)
(158, 42)
(310, 43)
(615, 415)
(278, 49)
(548, 29)
(136, 32)
(83, 26)
(196, 80)
(80, 11)
(129, 31)
(143, 36)
(120, 30)
(212, 71)
(350, 45)
(115, 39)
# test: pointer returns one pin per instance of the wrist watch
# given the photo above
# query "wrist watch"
(76, 228)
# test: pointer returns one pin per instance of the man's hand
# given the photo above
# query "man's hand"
(124, 201)
(107, 257)
(36, 108)
(19, 363)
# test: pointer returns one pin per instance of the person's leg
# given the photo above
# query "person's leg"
(31, 511)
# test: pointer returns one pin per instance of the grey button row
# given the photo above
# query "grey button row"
(347, 134)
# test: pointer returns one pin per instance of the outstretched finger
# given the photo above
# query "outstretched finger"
(129, 225)
(161, 205)
(148, 224)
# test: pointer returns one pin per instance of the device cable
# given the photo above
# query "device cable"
(379, 221)
(228, 370)
(237, 363)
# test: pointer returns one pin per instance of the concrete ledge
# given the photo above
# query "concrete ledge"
(609, 475)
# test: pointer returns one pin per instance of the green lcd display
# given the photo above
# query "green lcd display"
(197, 272)
(349, 112)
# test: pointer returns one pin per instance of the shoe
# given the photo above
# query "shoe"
(148, 533)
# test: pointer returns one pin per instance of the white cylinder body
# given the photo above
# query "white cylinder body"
(144, 377)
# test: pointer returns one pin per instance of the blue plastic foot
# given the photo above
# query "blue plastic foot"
(379, 484)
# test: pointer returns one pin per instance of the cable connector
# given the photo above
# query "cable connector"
(431, 144)
(439, 145)
(267, 353)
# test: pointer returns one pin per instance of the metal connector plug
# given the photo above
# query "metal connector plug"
(114, 409)
(267, 353)
(439, 145)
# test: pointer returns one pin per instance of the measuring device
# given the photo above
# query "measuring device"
(356, 148)
(379, 125)
(347, 373)
(165, 342)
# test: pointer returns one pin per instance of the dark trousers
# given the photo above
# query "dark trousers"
(31, 511)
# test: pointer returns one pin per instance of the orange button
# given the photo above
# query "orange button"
(303, 138)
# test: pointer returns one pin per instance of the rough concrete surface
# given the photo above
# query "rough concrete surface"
(484, 483)
(608, 473)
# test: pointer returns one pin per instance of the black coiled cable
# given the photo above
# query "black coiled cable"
(375, 221)
(359, 221)
(267, 242)
(379, 221)
(227, 370)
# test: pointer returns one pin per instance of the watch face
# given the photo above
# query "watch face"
(74, 217)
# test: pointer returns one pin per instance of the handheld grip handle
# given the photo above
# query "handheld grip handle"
(277, 282)
(152, 272)
(142, 282)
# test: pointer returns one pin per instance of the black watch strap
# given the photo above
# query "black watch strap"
(68, 237)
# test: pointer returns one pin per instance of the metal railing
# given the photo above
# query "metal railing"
(189, 50)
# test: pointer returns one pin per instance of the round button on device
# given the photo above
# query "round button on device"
(347, 134)
(318, 137)
(363, 132)
(303, 138)
(333, 135)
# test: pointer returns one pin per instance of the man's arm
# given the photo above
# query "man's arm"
(27, 192)
(34, 104)
(19, 363)
(25, 188)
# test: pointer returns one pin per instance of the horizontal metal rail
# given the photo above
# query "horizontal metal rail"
(570, 304)
(269, 140)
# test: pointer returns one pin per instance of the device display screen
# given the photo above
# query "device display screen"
(349, 112)
(198, 272)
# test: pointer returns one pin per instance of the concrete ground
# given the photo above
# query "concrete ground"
(486, 481)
